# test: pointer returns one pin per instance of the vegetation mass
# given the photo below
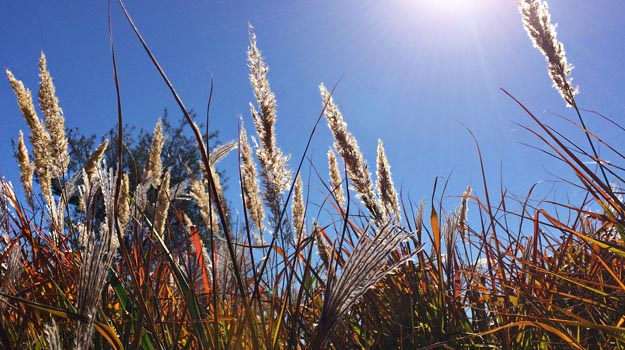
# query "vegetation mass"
(120, 251)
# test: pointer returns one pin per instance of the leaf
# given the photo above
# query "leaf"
(105, 330)
(198, 246)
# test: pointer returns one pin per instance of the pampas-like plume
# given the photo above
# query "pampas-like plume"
(219, 200)
(14, 268)
(52, 336)
(345, 143)
(26, 168)
(94, 160)
(251, 192)
(101, 248)
(265, 119)
(39, 138)
(198, 192)
(336, 178)
(162, 205)
(55, 122)
(217, 154)
(276, 176)
(221, 151)
(298, 210)
(154, 164)
(537, 23)
(322, 247)
(124, 203)
(365, 267)
(461, 213)
(386, 190)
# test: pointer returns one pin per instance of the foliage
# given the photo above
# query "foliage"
(519, 273)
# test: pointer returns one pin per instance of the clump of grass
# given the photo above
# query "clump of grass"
(528, 273)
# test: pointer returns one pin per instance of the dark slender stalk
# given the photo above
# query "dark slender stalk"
(124, 250)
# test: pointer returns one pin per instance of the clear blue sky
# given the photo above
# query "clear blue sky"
(415, 72)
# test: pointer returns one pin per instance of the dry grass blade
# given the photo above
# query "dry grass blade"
(518, 273)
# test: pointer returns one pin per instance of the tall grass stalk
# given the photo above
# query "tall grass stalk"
(102, 265)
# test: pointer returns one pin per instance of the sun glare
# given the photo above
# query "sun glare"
(444, 7)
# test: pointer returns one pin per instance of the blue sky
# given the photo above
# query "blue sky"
(416, 73)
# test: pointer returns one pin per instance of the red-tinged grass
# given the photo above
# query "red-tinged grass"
(520, 273)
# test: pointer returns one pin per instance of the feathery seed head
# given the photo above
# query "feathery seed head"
(100, 250)
(14, 268)
(462, 213)
(537, 23)
(52, 336)
(336, 178)
(25, 102)
(94, 160)
(154, 164)
(208, 213)
(187, 221)
(252, 197)
(366, 266)
(322, 247)
(298, 210)
(221, 151)
(219, 200)
(265, 119)
(48, 102)
(162, 205)
(386, 189)
(55, 122)
(276, 176)
(26, 168)
(355, 163)
(124, 203)
(39, 138)
(259, 239)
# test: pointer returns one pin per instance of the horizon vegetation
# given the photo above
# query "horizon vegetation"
(372, 270)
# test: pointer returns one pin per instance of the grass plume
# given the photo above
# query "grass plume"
(537, 23)
(387, 193)
(137, 269)
(252, 197)
(154, 164)
(276, 176)
(346, 145)
(39, 137)
(26, 168)
(55, 121)
(335, 178)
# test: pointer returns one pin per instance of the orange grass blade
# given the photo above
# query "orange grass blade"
(197, 244)
(601, 244)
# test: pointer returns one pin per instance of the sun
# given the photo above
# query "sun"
(443, 7)
(447, 5)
